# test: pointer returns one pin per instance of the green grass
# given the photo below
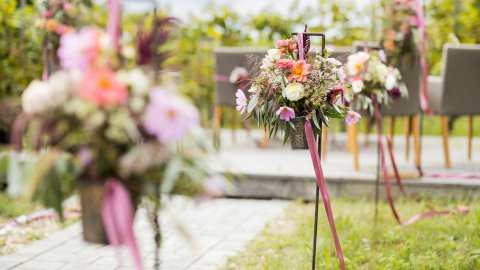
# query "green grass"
(444, 242)
(11, 208)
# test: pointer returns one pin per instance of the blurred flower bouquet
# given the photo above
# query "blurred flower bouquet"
(398, 38)
(123, 136)
(372, 79)
(289, 89)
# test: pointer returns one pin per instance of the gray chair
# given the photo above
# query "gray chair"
(456, 91)
(341, 53)
(226, 60)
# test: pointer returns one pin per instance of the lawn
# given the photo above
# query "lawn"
(447, 242)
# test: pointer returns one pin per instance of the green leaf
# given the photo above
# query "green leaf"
(315, 120)
(252, 103)
(286, 134)
(173, 170)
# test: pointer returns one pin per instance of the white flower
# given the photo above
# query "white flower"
(136, 79)
(294, 91)
(356, 62)
(128, 52)
(61, 85)
(273, 55)
(237, 74)
(391, 81)
(36, 98)
(334, 62)
(340, 73)
(357, 86)
(267, 65)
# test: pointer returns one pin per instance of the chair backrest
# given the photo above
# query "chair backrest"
(341, 53)
(361, 45)
(226, 60)
(461, 79)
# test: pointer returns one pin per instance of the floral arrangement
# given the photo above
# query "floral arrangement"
(371, 77)
(398, 38)
(288, 88)
(115, 128)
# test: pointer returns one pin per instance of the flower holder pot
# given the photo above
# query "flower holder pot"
(91, 198)
(298, 140)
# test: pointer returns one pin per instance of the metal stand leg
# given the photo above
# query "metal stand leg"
(377, 183)
(317, 199)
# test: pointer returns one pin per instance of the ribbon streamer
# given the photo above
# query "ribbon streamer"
(113, 25)
(118, 215)
(423, 58)
(378, 119)
(323, 189)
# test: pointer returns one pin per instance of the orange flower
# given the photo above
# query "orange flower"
(299, 71)
(389, 45)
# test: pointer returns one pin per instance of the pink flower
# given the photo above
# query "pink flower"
(284, 63)
(78, 50)
(241, 101)
(285, 113)
(289, 44)
(299, 71)
(169, 117)
(352, 117)
(102, 87)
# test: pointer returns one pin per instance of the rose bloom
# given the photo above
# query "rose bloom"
(299, 71)
(284, 63)
(102, 87)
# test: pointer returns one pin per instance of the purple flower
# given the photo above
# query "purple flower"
(79, 49)
(382, 56)
(241, 101)
(285, 113)
(169, 117)
(352, 117)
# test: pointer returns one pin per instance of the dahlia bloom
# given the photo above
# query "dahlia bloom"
(169, 117)
(285, 113)
(102, 87)
(78, 49)
(241, 101)
(352, 117)
(299, 71)
(294, 91)
(289, 44)
(284, 63)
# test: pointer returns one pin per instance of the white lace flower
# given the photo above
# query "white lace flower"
(294, 91)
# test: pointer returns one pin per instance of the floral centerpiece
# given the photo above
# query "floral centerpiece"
(398, 38)
(371, 78)
(123, 136)
(289, 89)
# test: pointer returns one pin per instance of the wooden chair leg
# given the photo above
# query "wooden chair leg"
(324, 142)
(264, 143)
(217, 118)
(353, 135)
(408, 132)
(415, 123)
(446, 150)
(470, 136)
(233, 122)
(368, 129)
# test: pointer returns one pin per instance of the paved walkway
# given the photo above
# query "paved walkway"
(218, 230)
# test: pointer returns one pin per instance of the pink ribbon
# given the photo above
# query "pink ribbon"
(301, 55)
(323, 189)
(378, 117)
(118, 215)
(113, 25)
(423, 58)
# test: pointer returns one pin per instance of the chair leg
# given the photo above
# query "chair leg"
(446, 150)
(324, 142)
(266, 133)
(353, 137)
(217, 119)
(408, 132)
(368, 128)
(415, 129)
(233, 123)
(470, 135)
(391, 129)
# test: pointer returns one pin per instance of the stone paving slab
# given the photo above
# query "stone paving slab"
(216, 230)
(278, 172)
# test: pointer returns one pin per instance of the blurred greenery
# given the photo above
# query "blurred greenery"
(11, 208)
(442, 242)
